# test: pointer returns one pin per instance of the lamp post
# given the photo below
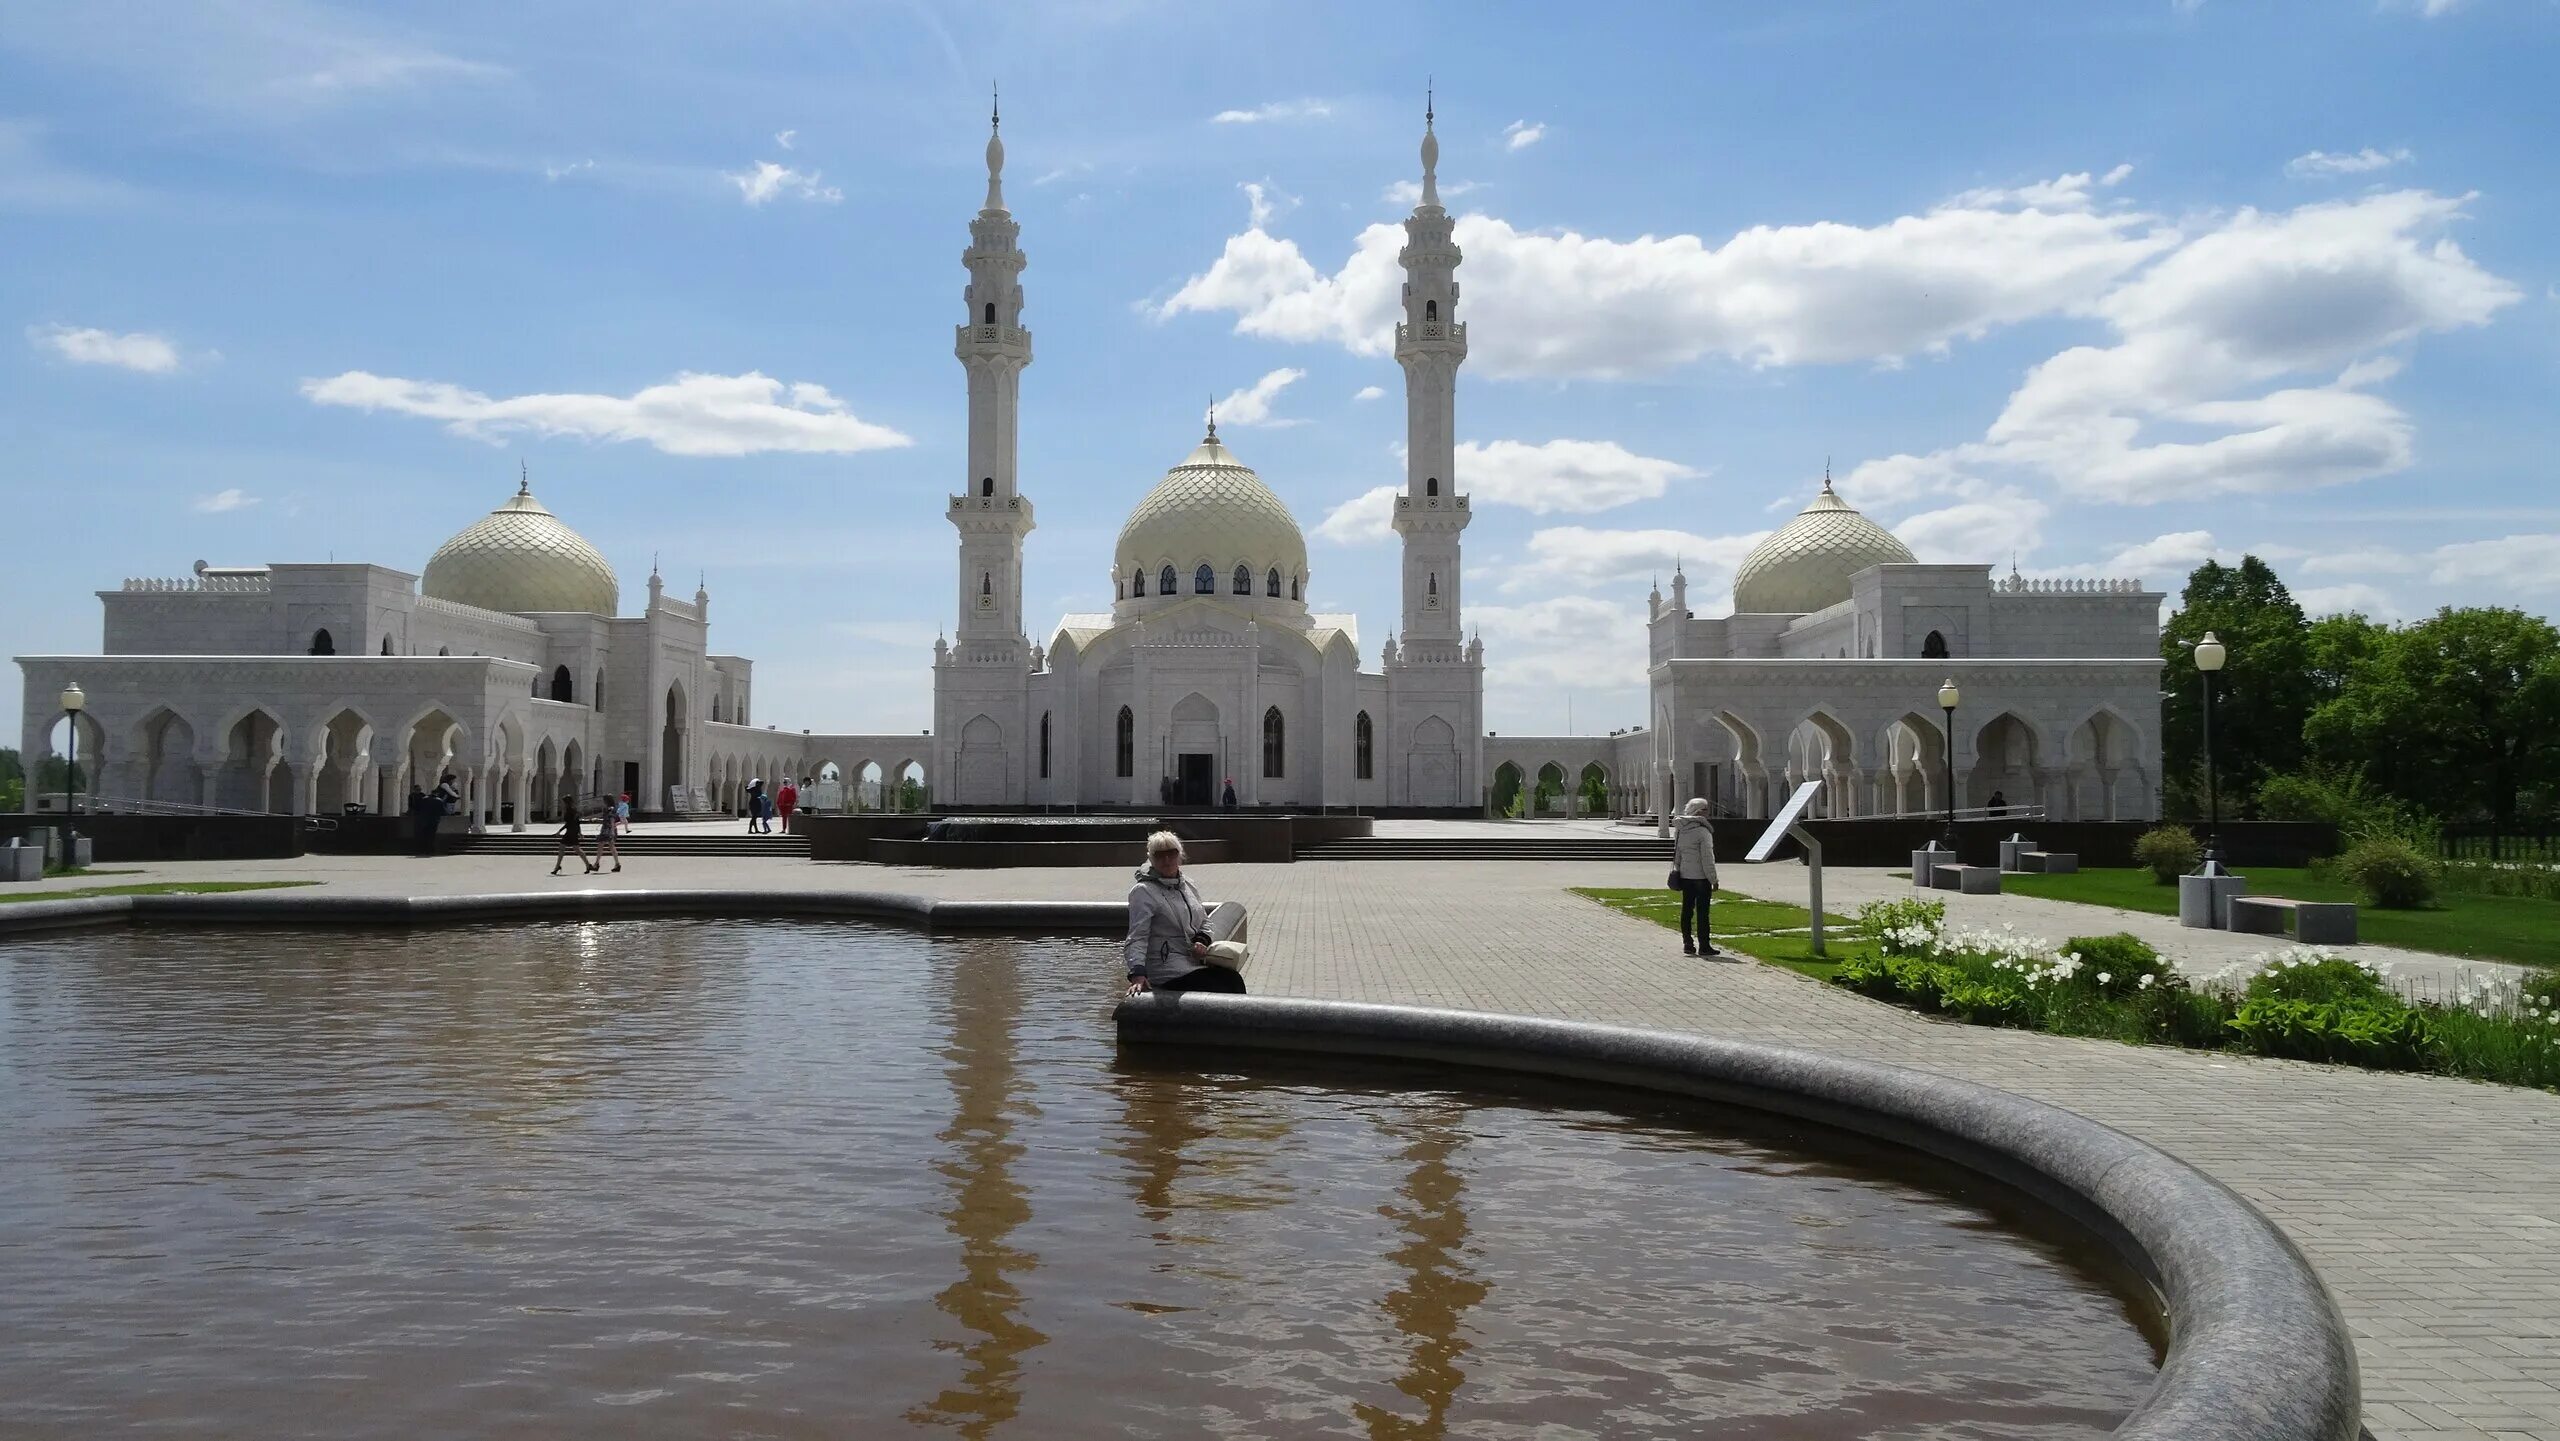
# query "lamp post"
(73, 703)
(2210, 655)
(1948, 696)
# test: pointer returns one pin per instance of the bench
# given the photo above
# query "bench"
(2051, 863)
(1971, 880)
(2315, 923)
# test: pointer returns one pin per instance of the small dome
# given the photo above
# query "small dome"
(1805, 565)
(520, 559)
(1211, 509)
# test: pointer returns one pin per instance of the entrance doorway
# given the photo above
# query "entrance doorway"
(1195, 780)
(631, 780)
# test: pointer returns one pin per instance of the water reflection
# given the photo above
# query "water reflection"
(982, 993)
(1440, 1289)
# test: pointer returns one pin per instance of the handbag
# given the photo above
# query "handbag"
(1675, 883)
(1229, 954)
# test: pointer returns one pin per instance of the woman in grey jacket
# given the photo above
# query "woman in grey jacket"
(1693, 852)
(1168, 946)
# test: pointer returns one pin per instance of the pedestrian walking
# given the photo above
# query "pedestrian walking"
(755, 805)
(622, 812)
(1227, 798)
(423, 815)
(607, 842)
(1693, 874)
(785, 801)
(573, 838)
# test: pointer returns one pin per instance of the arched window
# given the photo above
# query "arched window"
(1204, 581)
(321, 644)
(1293, 587)
(386, 645)
(986, 583)
(595, 697)
(1165, 582)
(1244, 579)
(1431, 486)
(1431, 310)
(1274, 746)
(986, 485)
(1435, 582)
(444, 650)
(1275, 583)
(1044, 745)
(1934, 648)
(990, 313)
(1125, 750)
(1119, 588)
(1363, 748)
(560, 686)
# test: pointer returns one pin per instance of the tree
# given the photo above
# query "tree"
(2458, 714)
(2262, 694)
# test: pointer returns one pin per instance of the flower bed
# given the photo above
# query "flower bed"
(2299, 1002)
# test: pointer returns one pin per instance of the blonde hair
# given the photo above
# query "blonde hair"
(1697, 806)
(1161, 842)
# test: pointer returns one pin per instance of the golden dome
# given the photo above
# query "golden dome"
(1212, 509)
(520, 559)
(1805, 565)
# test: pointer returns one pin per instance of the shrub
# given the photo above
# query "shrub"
(2314, 975)
(2120, 956)
(2462, 878)
(1901, 928)
(1987, 1003)
(2384, 1034)
(2390, 873)
(2168, 852)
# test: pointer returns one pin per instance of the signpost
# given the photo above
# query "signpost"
(1782, 825)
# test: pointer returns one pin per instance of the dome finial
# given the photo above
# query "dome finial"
(1213, 422)
(524, 478)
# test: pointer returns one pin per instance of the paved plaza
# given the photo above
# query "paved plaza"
(2431, 1206)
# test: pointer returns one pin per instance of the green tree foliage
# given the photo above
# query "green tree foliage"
(2260, 698)
(2458, 713)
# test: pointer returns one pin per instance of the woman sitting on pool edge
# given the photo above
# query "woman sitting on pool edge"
(1168, 947)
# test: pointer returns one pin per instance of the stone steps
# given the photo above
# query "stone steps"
(543, 843)
(1487, 848)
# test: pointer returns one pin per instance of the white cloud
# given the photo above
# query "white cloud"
(784, 138)
(1566, 642)
(2248, 355)
(1974, 531)
(1368, 392)
(1252, 405)
(1583, 558)
(271, 60)
(2518, 563)
(768, 181)
(1365, 519)
(81, 345)
(1409, 192)
(2176, 553)
(693, 414)
(222, 500)
(1276, 110)
(1520, 134)
(1564, 304)
(2370, 601)
(1580, 476)
(2320, 164)
(2363, 560)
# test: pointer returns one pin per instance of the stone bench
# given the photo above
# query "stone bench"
(2315, 923)
(1970, 880)
(2051, 863)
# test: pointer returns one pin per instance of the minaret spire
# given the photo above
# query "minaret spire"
(1431, 343)
(995, 152)
(1430, 152)
(993, 347)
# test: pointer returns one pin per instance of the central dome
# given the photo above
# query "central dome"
(1212, 510)
(1805, 565)
(520, 559)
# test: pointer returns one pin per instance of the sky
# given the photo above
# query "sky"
(2095, 290)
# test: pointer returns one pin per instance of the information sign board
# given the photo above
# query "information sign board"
(1786, 817)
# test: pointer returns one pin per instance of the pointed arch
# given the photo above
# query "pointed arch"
(1272, 587)
(1934, 647)
(322, 643)
(1244, 579)
(1204, 581)
(1166, 584)
(1275, 745)
(1125, 745)
(1044, 745)
(1364, 744)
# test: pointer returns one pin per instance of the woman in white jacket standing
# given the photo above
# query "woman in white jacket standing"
(1693, 855)
(1168, 945)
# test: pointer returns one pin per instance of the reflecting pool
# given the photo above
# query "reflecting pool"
(705, 1178)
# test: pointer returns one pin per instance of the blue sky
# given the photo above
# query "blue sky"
(2109, 287)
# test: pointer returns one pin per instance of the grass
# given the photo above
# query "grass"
(161, 888)
(1771, 931)
(2521, 929)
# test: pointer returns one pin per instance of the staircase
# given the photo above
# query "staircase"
(634, 844)
(1531, 847)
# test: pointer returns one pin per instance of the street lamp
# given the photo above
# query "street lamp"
(73, 702)
(1948, 696)
(2210, 654)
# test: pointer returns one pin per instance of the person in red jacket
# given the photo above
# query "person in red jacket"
(786, 800)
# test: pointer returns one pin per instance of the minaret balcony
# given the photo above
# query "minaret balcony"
(1004, 342)
(1433, 334)
(996, 514)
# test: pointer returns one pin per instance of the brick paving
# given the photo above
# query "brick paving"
(2430, 1206)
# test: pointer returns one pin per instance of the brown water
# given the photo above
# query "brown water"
(694, 1179)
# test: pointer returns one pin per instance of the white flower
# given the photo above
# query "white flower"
(2104, 977)
(2147, 979)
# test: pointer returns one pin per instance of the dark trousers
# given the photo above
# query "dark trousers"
(1695, 896)
(426, 825)
(1208, 978)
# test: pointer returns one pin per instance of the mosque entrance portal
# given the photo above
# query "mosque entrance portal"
(1195, 781)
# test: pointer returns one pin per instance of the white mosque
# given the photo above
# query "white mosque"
(302, 688)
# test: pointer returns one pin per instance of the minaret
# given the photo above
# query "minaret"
(991, 516)
(1431, 343)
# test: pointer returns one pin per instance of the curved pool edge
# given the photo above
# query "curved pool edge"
(2258, 1350)
(305, 908)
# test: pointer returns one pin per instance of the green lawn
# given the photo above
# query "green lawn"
(2521, 929)
(1770, 931)
(164, 888)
